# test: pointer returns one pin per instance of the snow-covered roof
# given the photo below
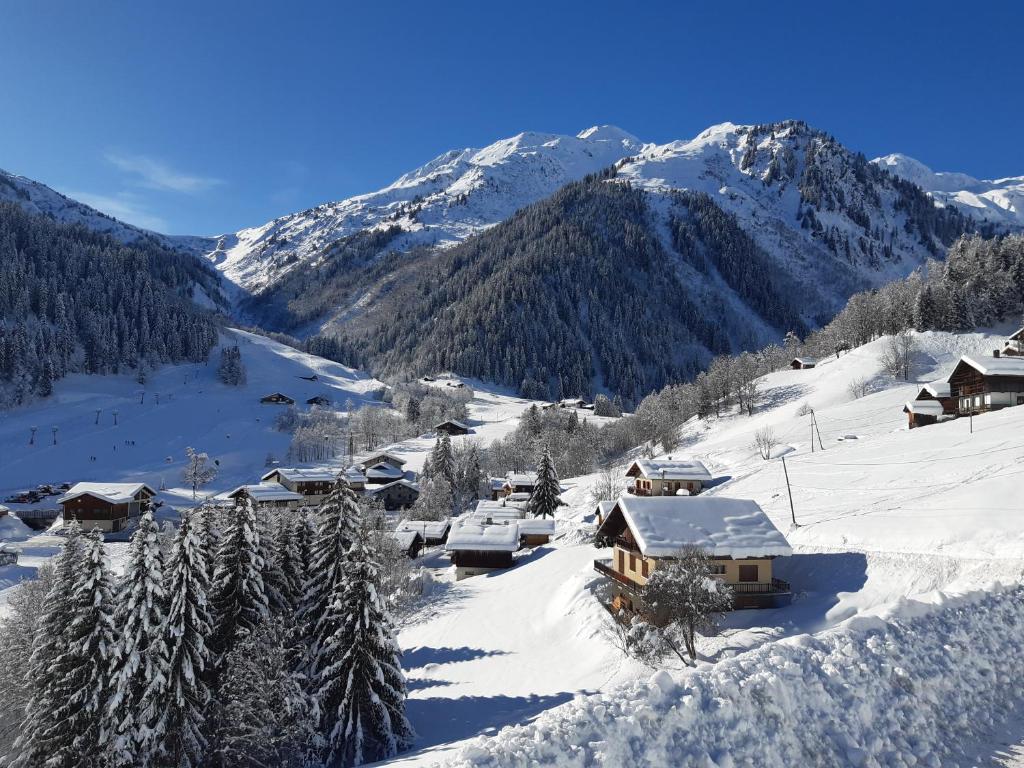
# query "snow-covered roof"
(938, 388)
(114, 493)
(497, 483)
(266, 492)
(521, 478)
(486, 505)
(924, 407)
(383, 455)
(428, 529)
(723, 527)
(406, 538)
(670, 469)
(481, 516)
(354, 474)
(386, 471)
(305, 475)
(519, 498)
(454, 423)
(378, 488)
(995, 366)
(470, 536)
(805, 360)
(537, 526)
(1017, 335)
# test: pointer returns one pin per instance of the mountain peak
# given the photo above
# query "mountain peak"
(608, 133)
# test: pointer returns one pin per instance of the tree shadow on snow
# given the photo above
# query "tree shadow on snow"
(440, 721)
(777, 396)
(415, 658)
(818, 580)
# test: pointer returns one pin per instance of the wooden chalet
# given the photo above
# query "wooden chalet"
(313, 484)
(534, 531)
(382, 473)
(355, 477)
(383, 457)
(320, 400)
(452, 427)
(410, 541)
(980, 384)
(802, 363)
(1015, 344)
(602, 510)
(433, 532)
(107, 506)
(475, 549)
(399, 494)
(735, 533)
(667, 477)
(497, 486)
(271, 495)
(519, 482)
(933, 401)
(276, 398)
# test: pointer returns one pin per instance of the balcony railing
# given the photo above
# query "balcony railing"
(775, 586)
(601, 567)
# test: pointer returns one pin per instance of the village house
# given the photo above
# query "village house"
(476, 549)
(319, 400)
(399, 494)
(735, 533)
(382, 473)
(497, 485)
(602, 510)
(107, 506)
(452, 427)
(411, 542)
(276, 398)
(1015, 344)
(313, 484)
(383, 457)
(433, 532)
(519, 482)
(355, 477)
(267, 496)
(802, 363)
(666, 477)
(980, 384)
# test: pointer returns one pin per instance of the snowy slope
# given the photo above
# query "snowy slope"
(446, 200)
(1000, 201)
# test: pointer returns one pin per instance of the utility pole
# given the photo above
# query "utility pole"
(792, 512)
(812, 430)
(814, 420)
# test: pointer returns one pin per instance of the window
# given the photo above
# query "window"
(718, 569)
(622, 561)
(643, 568)
(632, 562)
(1020, 399)
(748, 573)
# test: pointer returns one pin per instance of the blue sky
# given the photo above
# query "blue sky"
(200, 118)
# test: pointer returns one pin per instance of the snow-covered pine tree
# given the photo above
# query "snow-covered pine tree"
(442, 460)
(361, 691)
(545, 499)
(273, 576)
(289, 560)
(337, 521)
(238, 597)
(40, 732)
(139, 662)
(82, 670)
(182, 699)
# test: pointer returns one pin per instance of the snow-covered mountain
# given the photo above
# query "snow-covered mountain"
(1000, 201)
(450, 198)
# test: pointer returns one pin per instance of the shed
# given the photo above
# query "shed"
(433, 532)
(320, 400)
(475, 549)
(452, 427)
(534, 531)
(410, 541)
(800, 363)
(276, 398)
(921, 413)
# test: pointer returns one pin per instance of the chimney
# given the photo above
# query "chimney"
(995, 353)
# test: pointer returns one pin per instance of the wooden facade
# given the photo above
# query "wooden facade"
(452, 427)
(400, 494)
(977, 392)
(276, 398)
(92, 511)
(802, 363)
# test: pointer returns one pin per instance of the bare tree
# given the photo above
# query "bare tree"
(682, 597)
(198, 471)
(898, 357)
(765, 441)
(859, 387)
(609, 486)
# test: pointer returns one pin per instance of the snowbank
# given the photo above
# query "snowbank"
(904, 692)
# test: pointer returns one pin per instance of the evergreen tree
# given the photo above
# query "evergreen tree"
(361, 690)
(442, 460)
(41, 734)
(181, 699)
(239, 598)
(545, 499)
(140, 656)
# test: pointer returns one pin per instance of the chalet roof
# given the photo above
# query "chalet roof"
(519, 498)
(266, 492)
(406, 538)
(604, 507)
(937, 388)
(382, 456)
(478, 538)
(378, 488)
(428, 529)
(520, 478)
(305, 475)
(486, 505)
(924, 407)
(482, 516)
(354, 474)
(384, 470)
(277, 396)
(537, 526)
(113, 493)
(993, 366)
(723, 527)
(670, 469)
(497, 483)
(453, 422)
(805, 360)
(1017, 335)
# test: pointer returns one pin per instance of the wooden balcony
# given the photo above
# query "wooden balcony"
(606, 570)
(773, 587)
